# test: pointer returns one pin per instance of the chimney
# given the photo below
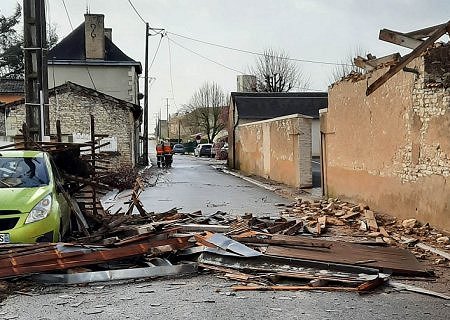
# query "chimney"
(246, 83)
(108, 33)
(94, 34)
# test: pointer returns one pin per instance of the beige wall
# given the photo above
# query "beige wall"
(278, 149)
(391, 149)
(120, 82)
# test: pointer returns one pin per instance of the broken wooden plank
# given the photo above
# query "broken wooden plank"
(439, 32)
(423, 33)
(292, 288)
(294, 229)
(371, 221)
(433, 250)
(371, 64)
(194, 227)
(371, 284)
(402, 286)
(391, 58)
(285, 240)
(281, 226)
(350, 215)
(399, 38)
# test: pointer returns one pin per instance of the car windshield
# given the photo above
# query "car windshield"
(17, 172)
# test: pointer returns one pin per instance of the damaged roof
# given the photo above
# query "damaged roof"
(74, 87)
(11, 85)
(71, 50)
(268, 105)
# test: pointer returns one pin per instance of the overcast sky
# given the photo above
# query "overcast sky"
(318, 30)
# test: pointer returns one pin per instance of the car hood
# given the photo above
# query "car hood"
(21, 199)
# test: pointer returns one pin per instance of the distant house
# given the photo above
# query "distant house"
(88, 57)
(73, 104)
(249, 107)
(10, 90)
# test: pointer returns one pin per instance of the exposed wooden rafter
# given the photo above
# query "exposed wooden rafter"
(399, 38)
(437, 32)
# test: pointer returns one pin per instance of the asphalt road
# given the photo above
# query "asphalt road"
(208, 297)
(193, 184)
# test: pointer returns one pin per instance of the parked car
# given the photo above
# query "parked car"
(203, 149)
(178, 148)
(32, 205)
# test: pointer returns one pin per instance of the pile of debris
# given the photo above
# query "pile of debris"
(334, 217)
(260, 253)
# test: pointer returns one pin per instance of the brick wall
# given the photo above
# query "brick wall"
(73, 109)
(391, 149)
(278, 149)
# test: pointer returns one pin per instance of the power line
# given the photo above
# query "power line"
(170, 67)
(200, 55)
(67, 13)
(137, 12)
(258, 53)
(156, 52)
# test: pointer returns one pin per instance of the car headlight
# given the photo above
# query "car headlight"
(41, 210)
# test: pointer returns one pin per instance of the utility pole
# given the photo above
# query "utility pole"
(145, 161)
(36, 73)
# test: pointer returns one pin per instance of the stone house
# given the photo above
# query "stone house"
(73, 104)
(89, 57)
(10, 90)
(390, 149)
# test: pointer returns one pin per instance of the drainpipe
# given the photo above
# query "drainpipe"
(234, 136)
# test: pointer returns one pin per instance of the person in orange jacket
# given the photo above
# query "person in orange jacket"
(160, 153)
(163, 154)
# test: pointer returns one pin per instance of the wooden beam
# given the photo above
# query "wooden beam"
(423, 33)
(399, 38)
(408, 58)
(382, 60)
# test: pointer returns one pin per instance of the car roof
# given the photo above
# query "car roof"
(21, 154)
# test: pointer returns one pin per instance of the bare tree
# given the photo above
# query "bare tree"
(205, 109)
(276, 73)
(347, 66)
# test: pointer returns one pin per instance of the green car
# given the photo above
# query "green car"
(32, 205)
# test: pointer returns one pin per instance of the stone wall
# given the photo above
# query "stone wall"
(391, 149)
(278, 149)
(2, 122)
(73, 109)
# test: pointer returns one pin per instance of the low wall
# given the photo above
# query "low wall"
(278, 149)
(390, 150)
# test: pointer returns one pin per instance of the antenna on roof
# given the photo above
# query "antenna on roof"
(87, 7)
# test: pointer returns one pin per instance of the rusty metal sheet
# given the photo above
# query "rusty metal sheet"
(57, 260)
(398, 260)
